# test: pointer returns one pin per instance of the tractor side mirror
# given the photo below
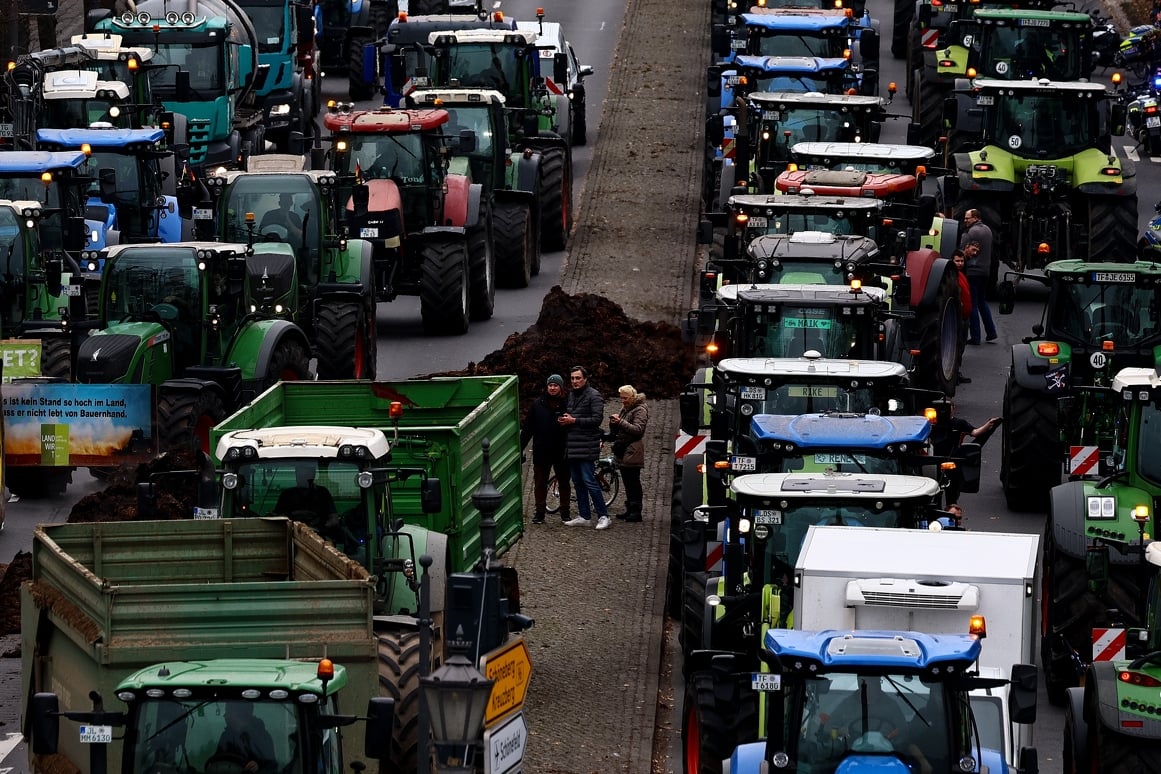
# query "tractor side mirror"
(296, 143)
(467, 141)
(950, 111)
(869, 45)
(1006, 302)
(690, 404)
(560, 69)
(181, 86)
(873, 131)
(318, 158)
(923, 14)
(715, 129)
(1136, 643)
(361, 196)
(430, 495)
(45, 711)
(705, 232)
(53, 274)
(1117, 115)
(720, 40)
(1022, 697)
(969, 464)
(380, 727)
(713, 83)
(925, 212)
(108, 184)
(76, 234)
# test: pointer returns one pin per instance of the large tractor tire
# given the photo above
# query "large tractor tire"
(937, 366)
(1030, 460)
(927, 107)
(356, 88)
(580, 123)
(677, 518)
(290, 362)
(443, 289)
(514, 240)
(1124, 754)
(56, 358)
(345, 342)
(184, 419)
(1112, 227)
(556, 198)
(399, 672)
(1069, 613)
(693, 592)
(900, 31)
(481, 271)
(712, 728)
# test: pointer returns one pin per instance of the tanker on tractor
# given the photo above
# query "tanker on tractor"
(279, 206)
(1098, 319)
(1045, 179)
(430, 231)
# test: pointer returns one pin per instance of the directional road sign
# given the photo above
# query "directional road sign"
(509, 668)
(505, 745)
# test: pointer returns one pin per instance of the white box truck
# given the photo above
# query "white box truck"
(932, 582)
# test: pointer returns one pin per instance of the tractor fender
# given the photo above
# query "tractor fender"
(546, 140)
(457, 202)
(947, 232)
(255, 343)
(475, 199)
(169, 223)
(926, 268)
(747, 758)
(506, 195)
(1102, 679)
(527, 170)
(1074, 701)
(190, 384)
(1023, 372)
(1066, 514)
(722, 661)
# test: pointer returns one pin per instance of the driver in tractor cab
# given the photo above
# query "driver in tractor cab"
(284, 218)
(869, 720)
(1036, 54)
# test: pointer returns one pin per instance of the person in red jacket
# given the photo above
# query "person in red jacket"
(965, 306)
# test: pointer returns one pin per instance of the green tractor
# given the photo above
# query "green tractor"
(1100, 528)
(1110, 724)
(1099, 318)
(1045, 180)
(185, 318)
(334, 301)
(512, 179)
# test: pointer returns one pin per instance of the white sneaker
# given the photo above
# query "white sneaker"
(604, 522)
(577, 522)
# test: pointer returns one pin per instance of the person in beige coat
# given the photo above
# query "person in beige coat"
(628, 429)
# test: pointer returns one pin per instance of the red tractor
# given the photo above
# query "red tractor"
(431, 231)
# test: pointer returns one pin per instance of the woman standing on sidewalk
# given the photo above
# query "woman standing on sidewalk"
(628, 428)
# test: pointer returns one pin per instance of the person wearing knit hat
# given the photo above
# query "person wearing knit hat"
(628, 428)
(548, 438)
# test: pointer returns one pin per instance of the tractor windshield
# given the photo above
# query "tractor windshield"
(808, 124)
(1044, 124)
(802, 272)
(1093, 313)
(324, 494)
(285, 208)
(890, 716)
(12, 255)
(798, 329)
(488, 66)
(29, 186)
(203, 62)
(152, 281)
(476, 118)
(399, 157)
(828, 221)
(76, 113)
(806, 398)
(822, 44)
(1022, 52)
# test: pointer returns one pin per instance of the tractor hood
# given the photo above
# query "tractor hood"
(111, 356)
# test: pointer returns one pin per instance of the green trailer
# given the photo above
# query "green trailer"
(129, 610)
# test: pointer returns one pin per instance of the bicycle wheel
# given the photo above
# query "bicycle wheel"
(610, 481)
(552, 501)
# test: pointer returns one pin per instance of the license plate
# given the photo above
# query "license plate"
(812, 391)
(205, 513)
(1114, 276)
(757, 222)
(6, 130)
(368, 233)
(96, 734)
(753, 393)
(767, 516)
(771, 115)
(1152, 122)
(839, 459)
(733, 80)
(807, 323)
(744, 464)
(738, 45)
(984, 101)
(71, 290)
(203, 213)
(764, 681)
(1034, 23)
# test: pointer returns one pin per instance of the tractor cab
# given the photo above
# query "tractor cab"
(1013, 45)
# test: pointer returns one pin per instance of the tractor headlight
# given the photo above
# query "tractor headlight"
(282, 109)
(1102, 507)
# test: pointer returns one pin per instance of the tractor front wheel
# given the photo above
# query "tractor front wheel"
(357, 89)
(443, 289)
(1030, 459)
(556, 198)
(708, 734)
(512, 226)
(184, 418)
(482, 270)
(290, 362)
(904, 12)
(56, 358)
(345, 340)
(927, 107)
(399, 673)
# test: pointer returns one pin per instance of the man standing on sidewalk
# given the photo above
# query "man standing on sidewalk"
(582, 418)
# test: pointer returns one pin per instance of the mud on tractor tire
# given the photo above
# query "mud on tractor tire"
(443, 290)
(345, 341)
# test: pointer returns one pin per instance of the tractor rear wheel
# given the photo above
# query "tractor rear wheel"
(676, 551)
(580, 124)
(937, 365)
(1112, 227)
(345, 340)
(1123, 754)
(357, 89)
(443, 289)
(708, 734)
(481, 270)
(184, 418)
(512, 227)
(901, 29)
(290, 362)
(556, 198)
(927, 107)
(399, 672)
(693, 592)
(56, 358)
(1030, 460)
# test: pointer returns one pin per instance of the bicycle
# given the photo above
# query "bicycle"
(607, 474)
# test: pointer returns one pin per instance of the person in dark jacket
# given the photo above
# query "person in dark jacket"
(547, 437)
(628, 429)
(582, 419)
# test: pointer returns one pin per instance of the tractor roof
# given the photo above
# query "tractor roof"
(825, 295)
(1112, 273)
(1025, 17)
(305, 441)
(40, 161)
(228, 676)
(1081, 88)
(100, 138)
(811, 366)
(838, 486)
(385, 120)
(450, 96)
(225, 248)
(105, 46)
(80, 84)
(841, 430)
(798, 19)
(770, 99)
(506, 37)
(819, 245)
(1129, 378)
(417, 29)
(882, 651)
(774, 204)
(316, 176)
(22, 207)
(862, 150)
(791, 64)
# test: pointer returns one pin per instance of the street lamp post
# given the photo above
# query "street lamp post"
(456, 696)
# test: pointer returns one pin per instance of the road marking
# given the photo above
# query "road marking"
(8, 744)
(1131, 152)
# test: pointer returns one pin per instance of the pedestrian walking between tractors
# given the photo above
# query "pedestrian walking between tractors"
(627, 428)
(976, 243)
(584, 412)
(548, 439)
